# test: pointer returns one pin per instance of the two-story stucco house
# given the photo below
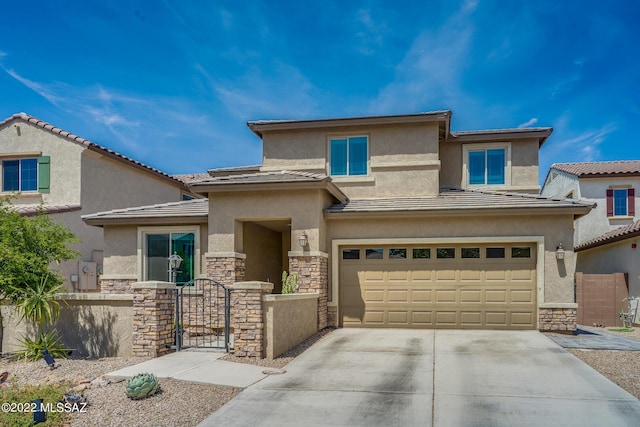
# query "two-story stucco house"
(69, 176)
(394, 220)
(606, 239)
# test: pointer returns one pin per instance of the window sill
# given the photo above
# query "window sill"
(626, 217)
(22, 195)
(353, 178)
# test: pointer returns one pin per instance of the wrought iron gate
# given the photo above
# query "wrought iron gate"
(202, 315)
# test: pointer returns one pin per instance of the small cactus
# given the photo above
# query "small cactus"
(142, 385)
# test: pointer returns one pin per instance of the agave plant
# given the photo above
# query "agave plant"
(142, 385)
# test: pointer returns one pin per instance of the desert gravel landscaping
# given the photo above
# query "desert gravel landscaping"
(187, 404)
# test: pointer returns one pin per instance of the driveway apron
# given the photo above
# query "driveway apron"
(371, 377)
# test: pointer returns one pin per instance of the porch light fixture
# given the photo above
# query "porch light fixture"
(303, 240)
(174, 264)
(559, 252)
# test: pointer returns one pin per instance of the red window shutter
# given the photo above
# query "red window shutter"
(631, 202)
(610, 202)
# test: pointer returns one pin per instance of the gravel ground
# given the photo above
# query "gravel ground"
(621, 367)
(179, 403)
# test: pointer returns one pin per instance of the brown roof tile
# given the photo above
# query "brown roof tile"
(91, 145)
(263, 178)
(197, 208)
(454, 200)
(32, 210)
(621, 233)
(596, 169)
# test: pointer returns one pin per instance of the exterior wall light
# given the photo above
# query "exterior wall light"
(559, 252)
(303, 240)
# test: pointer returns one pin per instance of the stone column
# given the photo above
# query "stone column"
(558, 317)
(153, 311)
(247, 318)
(313, 276)
(225, 267)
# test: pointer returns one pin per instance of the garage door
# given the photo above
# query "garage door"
(467, 286)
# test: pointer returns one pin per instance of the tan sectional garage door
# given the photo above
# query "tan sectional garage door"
(438, 286)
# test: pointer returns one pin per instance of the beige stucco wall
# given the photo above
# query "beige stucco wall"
(524, 164)
(403, 159)
(303, 207)
(262, 247)
(65, 161)
(122, 256)
(619, 257)
(95, 326)
(558, 275)
(82, 177)
(288, 320)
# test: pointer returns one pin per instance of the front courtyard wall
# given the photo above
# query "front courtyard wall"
(92, 325)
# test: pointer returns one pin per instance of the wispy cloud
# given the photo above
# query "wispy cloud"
(43, 90)
(585, 147)
(532, 121)
(430, 72)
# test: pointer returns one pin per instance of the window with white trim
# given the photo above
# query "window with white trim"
(349, 156)
(486, 165)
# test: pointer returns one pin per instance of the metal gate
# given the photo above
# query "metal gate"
(202, 315)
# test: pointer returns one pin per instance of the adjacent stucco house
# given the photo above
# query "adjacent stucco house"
(606, 239)
(394, 220)
(69, 176)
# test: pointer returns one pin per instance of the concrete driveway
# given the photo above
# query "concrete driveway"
(371, 377)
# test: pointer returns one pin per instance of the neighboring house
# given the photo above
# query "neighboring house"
(605, 239)
(395, 221)
(68, 176)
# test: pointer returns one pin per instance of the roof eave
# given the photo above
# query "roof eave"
(541, 134)
(144, 220)
(205, 188)
(258, 127)
(607, 241)
(559, 210)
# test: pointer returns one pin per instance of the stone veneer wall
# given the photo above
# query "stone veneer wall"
(153, 310)
(247, 318)
(225, 269)
(313, 274)
(116, 286)
(558, 319)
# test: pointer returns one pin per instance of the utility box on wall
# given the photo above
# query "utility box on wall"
(88, 276)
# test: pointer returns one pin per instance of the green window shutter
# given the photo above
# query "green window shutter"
(44, 173)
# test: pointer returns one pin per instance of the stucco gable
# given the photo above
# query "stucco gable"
(621, 233)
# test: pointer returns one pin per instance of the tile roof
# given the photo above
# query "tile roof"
(621, 233)
(90, 145)
(189, 178)
(596, 169)
(197, 208)
(32, 210)
(454, 200)
(498, 131)
(264, 178)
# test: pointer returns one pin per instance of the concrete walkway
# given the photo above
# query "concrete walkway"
(366, 377)
(596, 339)
(197, 366)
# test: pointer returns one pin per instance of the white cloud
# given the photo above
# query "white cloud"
(46, 92)
(530, 122)
(585, 147)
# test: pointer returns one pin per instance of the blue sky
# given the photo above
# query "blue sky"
(172, 83)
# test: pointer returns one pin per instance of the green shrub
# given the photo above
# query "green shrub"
(289, 283)
(50, 340)
(51, 394)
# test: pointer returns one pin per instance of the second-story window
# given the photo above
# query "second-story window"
(487, 167)
(620, 202)
(349, 155)
(20, 175)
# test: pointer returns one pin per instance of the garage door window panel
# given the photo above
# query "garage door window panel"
(374, 253)
(470, 253)
(495, 253)
(445, 253)
(520, 252)
(421, 253)
(350, 254)
(397, 253)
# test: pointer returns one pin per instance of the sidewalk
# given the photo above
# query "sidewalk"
(199, 367)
